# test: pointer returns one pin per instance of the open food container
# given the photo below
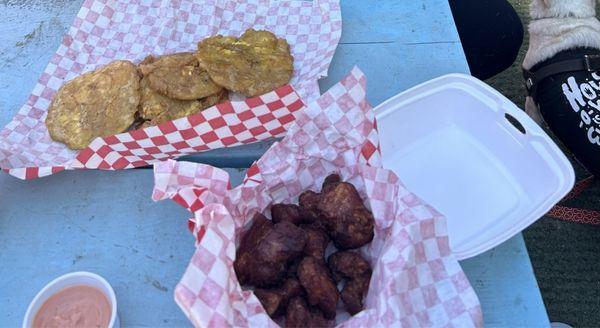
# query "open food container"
(475, 156)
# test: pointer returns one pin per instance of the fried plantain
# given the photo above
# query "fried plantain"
(95, 104)
(255, 63)
(156, 108)
(178, 76)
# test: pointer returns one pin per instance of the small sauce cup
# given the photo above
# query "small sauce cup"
(69, 280)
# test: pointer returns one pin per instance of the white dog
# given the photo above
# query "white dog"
(559, 25)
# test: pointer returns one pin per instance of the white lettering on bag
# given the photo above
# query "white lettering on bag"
(573, 94)
(587, 91)
(581, 94)
(595, 105)
(585, 118)
(593, 135)
(594, 85)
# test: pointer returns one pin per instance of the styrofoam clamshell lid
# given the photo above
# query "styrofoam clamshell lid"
(451, 141)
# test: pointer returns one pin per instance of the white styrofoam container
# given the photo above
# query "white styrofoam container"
(450, 142)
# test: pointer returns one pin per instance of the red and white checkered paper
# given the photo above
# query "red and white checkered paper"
(416, 281)
(105, 30)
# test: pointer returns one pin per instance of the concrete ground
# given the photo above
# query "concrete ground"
(565, 256)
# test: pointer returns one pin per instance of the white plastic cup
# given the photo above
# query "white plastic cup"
(69, 280)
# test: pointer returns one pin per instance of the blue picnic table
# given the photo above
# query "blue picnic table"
(105, 222)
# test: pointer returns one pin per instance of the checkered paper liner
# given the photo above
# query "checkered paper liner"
(105, 30)
(416, 281)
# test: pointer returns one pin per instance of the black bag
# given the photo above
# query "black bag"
(566, 89)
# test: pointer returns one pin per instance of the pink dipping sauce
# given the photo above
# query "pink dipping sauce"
(76, 306)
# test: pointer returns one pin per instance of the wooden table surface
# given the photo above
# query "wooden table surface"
(105, 222)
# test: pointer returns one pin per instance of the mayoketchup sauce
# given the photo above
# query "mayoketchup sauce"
(76, 306)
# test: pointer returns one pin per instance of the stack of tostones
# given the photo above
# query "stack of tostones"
(121, 96)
